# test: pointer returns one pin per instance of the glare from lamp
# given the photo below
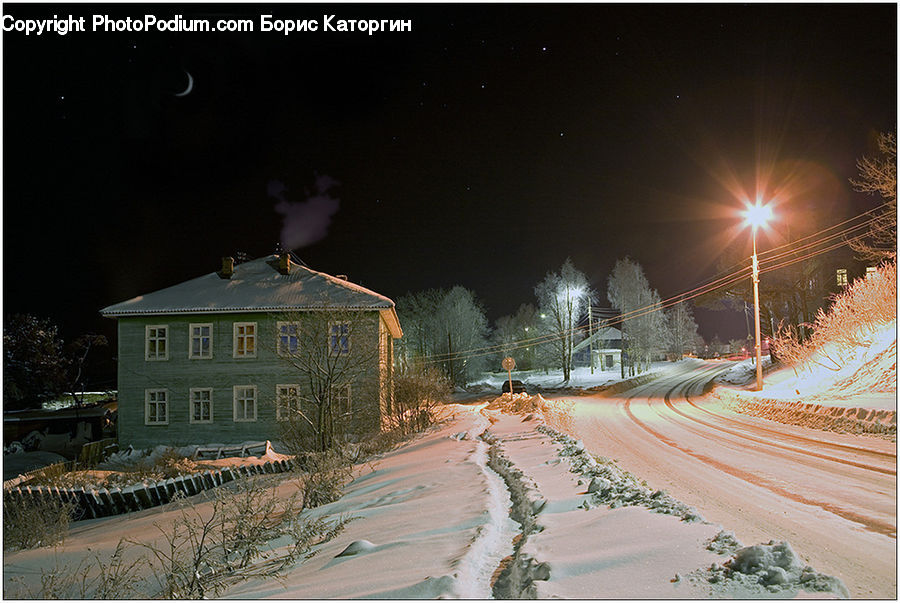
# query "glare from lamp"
(757, 215)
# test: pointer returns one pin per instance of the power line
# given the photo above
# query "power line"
(717, 283)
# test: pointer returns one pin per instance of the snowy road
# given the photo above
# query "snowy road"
(833, 496)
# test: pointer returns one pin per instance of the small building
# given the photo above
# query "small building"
(606, 343)
(214, 359)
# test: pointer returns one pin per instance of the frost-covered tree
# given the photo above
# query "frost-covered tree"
(461, 326)
(645, 329)
(682, 329)
(440, 328)
(563, 298)
(418, 315)
(878, 175)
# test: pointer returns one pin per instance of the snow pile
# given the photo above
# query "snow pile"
(770, 568)
(614, 487)
(724, 543)
(518, 403)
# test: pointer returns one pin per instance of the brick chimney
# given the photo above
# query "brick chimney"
(284, 263)
(227, 268)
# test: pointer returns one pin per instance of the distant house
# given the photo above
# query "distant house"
(204, 362)
(606, 343)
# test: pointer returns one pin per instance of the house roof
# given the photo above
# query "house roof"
(258, 286)
(604, 334)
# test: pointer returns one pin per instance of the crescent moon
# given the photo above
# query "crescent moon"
(190, 85)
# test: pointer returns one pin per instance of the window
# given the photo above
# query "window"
(339, 339)
(287, 401)
(201, 341)
(842, 277)
(342, 400)
(156, 407)
(245, 340)
(244, 403)
(157, 342)
(201, 405)
(871, 271)
(288, 343)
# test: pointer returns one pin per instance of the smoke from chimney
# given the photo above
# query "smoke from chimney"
(305, 222)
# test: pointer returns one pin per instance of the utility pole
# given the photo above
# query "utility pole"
(591, 336)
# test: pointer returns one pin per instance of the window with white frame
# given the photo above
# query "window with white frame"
(842, 277)
(245, 340)
(244, 403)
(288, 339)
(871, 271)
(157, 342)
(342, 399)
(201, 405)
(156, 407)
(287, 401)
(201, 341)
(339, 338)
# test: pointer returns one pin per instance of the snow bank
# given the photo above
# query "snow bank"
(838, 389)
(828, 417)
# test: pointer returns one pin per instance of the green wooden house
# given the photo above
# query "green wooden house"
(214, 360)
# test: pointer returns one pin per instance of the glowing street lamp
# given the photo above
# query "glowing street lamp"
(756, 216)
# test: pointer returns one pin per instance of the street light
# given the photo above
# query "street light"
(756, 216)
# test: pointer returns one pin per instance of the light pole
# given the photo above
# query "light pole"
(756, 216)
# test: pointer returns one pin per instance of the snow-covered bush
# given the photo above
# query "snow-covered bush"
(855, 315)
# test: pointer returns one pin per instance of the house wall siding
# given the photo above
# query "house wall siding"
(221, 373)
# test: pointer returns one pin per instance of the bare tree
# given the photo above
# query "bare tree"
(563, 298)
(336, 354)
(878, 175)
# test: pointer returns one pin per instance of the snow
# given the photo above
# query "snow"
(432, 519)
(858, 394)
(581, 377)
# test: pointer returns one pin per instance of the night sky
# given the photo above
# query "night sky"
(481, 149)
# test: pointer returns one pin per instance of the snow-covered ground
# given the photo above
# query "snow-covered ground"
(581, 377)
(849, 390)
(434, 519)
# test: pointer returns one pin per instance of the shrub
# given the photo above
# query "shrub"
(417, 394)
(855, 314)
(33, 522)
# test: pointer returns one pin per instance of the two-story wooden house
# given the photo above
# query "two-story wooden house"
(209, 360)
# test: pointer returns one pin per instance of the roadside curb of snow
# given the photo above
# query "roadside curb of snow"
(515, 577)
(613, 486)
(881, 422)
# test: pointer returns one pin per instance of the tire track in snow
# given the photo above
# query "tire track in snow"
(870, 524)
(494, 540)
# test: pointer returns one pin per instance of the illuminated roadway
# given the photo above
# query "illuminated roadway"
(832, 496)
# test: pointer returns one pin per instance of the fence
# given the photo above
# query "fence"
(91, 503)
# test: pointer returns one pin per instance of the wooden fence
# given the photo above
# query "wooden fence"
(90, 503)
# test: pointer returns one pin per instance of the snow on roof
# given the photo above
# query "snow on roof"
(258, 286)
